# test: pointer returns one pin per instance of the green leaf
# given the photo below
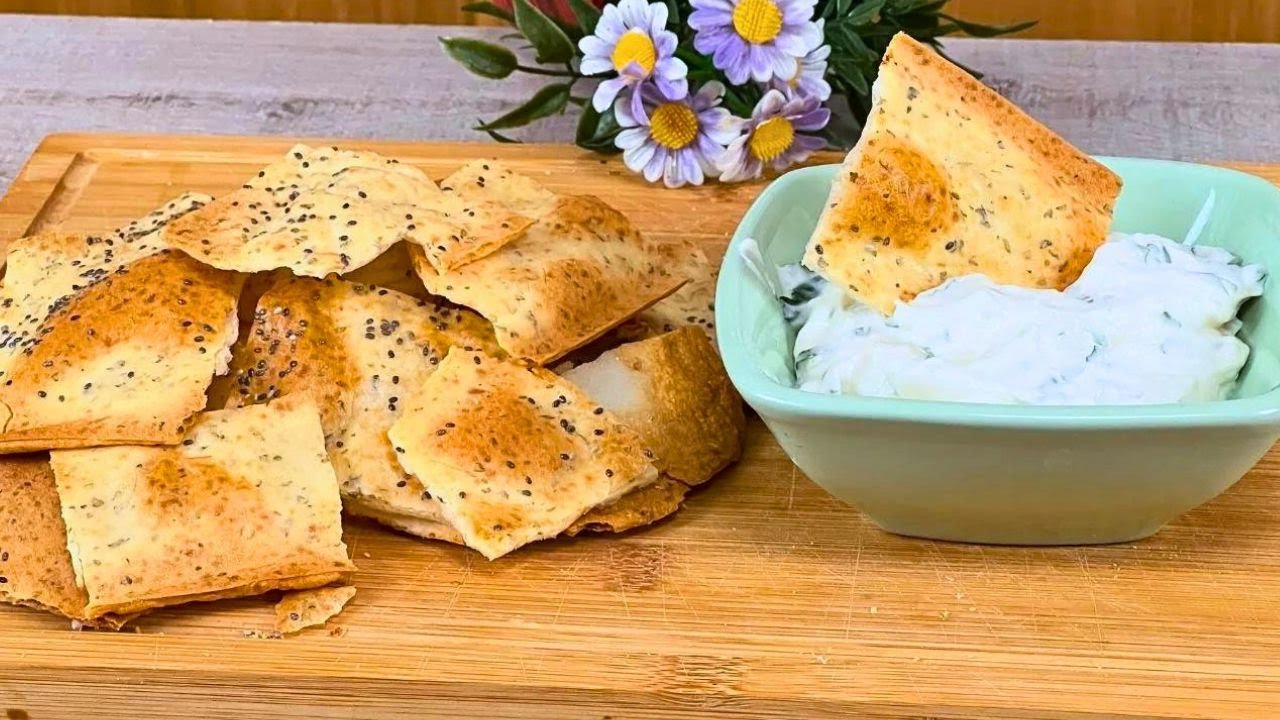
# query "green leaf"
(586, 14)
(550, 42)
(488, 8)
(547, 101)
(503, 138)
(852, 76)
(673, 14)
(740, 100)
(596, 131)
(904, 7)
(987, 31)
(927, 34)
(482, 58)
(866, 13)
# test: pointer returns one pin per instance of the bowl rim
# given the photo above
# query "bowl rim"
(769, 397)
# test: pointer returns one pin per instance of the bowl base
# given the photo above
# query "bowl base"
(989, 535)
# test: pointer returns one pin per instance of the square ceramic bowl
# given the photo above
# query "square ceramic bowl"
(1012, 474)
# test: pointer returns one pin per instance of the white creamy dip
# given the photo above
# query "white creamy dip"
(1149, 321)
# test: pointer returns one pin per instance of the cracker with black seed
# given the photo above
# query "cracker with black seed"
(392, 270)
(673, 391)
(323, 210)
(949, 178)
(309, 608)
(638, 508)
(246, 503)
(693, 304)
(419, 525)
(110, 339)
(356, 352)
(579, 271)
(486, 183)
(493, 181)
(41, 272)
(514, 454)
(35, 568)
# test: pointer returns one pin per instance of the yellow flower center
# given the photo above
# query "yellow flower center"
(772, 138)
(634, 47)
(673, 125)
(757, 21)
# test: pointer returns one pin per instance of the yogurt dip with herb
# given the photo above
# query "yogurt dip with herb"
(1149, 321)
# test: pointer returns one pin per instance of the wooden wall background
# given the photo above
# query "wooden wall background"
(1204, 20)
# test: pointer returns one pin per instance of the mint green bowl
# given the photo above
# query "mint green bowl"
(1008, 474)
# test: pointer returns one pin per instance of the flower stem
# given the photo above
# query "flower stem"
(541, 71)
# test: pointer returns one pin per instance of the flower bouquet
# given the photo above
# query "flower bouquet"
(692, 89)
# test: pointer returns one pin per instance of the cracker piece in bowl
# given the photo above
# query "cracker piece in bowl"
(356, 352)
(514, 454)
(246, 503)
(324, 210)
(949, 178)
(579, 271)
(673, 391)
(108, 340)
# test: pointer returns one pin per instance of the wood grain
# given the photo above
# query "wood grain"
(764, 598)
(1177, 101)
(1186, 20)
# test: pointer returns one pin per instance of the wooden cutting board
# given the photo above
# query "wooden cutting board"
(764, 598)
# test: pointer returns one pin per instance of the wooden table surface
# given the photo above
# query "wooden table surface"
(1170, 100)
(765, 597)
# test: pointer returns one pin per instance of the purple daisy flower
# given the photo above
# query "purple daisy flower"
(631, 40)
(810, 75)
(774, 136)
(676, 139)
(758, 39)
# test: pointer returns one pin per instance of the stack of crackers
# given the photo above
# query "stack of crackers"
(190, 403)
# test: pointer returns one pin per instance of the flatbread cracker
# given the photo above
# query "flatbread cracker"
(640, 507)
(579, 271)
(309, 608)
(356, 352)
(492, 181)
(41, 271)
(430, 529)
(35, 568)
(323, 210)
(487, 183)
(693, 304)
(514, 454)
(948, 179)
(247, 503)
(392, 270)
(673, 390)
(109, 340)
